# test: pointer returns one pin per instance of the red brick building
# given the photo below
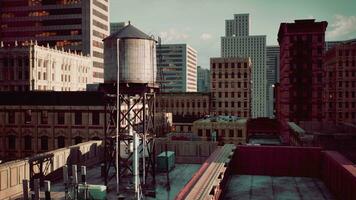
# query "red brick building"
(339, 81)
(301, 53)
(231, 86)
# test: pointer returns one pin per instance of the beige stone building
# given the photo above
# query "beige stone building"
(75, 25)
(35, 67)
(231, 86)
(224, 129)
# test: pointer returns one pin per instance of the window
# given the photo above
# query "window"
(239, 133)
(12, 142)
(231, 133)
(28, 117)
(200, 132)
(11, 117)
(207, 134)
(44, 143)
(28, 142)
(95, 118)
(78, 118)
(61, 142)
(60, 118)
(44, 117)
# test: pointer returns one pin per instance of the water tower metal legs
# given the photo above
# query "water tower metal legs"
(137, 115)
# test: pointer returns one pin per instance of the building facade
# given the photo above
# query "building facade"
(77, 25)
(231, 86)
(237, 42)
(203, 79)
(186, 107)
(116, 26)
(339, 98)
(177, 68)
(35, 67)
(272, 67)
(300, 86)
(223, 129)
(35, 122)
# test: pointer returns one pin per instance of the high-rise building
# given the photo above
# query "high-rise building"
(272, 63)
(76, 25)
(116, 26)
(177, 68)
(339, 98)
(34, 67)
(301, 70)
(231, 86)
(203, 79)
(237, 42)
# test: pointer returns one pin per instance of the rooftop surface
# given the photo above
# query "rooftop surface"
(246, 187)
(178, 177)
(222, 118)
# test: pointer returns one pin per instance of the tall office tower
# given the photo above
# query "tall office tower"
(301, 70)
(231, 86)
(177, 68)
(203, 80)
(238, 43)
(73, 24)
(339, 98)
(116, 26)
(272, 63)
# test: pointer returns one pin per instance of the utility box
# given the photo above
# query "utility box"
(165, 158)
(94, 192)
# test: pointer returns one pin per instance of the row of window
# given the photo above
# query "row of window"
(183, 104)
(343, 104)
(232, 104)
(232, 94)
(78, 116)
(232, 84)
(343, 115)
(231, 75)
(221, 133)
(231, 65)
(347, 52)
(43, 142)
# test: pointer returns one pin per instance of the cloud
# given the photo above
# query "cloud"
(172, 35)
(205, 36)
(342, 26)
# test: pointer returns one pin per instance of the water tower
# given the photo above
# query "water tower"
(130, 74)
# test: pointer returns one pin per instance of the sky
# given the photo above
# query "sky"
(201, 23)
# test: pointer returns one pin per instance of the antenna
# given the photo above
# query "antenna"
(160, 70)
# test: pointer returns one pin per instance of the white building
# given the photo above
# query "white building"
(78, 25)
(272, 55)
(177, 68)
(34, 67)
(238, 43)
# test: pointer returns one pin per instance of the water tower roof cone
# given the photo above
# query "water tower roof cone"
(130, 32)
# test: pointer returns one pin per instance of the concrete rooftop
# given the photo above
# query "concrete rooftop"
(246, 187)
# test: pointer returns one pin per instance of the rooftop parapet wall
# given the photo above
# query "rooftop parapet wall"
(277, 161)
(192, 152)
(12, 173)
